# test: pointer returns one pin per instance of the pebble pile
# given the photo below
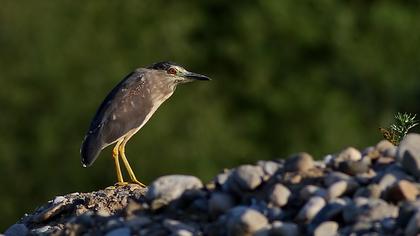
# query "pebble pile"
(374, 191)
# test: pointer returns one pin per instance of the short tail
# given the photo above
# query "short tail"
(90, 149)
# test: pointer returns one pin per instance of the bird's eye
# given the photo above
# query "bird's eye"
(171, 71)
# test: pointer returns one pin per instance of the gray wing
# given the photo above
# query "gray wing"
(123, 109)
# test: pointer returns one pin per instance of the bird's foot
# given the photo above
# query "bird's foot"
(118, 184)
(135, 181)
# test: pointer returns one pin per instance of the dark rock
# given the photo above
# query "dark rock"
(119, 232)
(403, 190)
(413, 226)
(220, 202)
(354, 167)
(406, 212)
(17, 230)
(284, 229)
(409, 154)
(371, 191)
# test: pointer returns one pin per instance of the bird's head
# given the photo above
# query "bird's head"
(177, 73)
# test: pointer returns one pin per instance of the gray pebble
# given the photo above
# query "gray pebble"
(341, 187)
(168, 188)
(300, 162)
(311, 208)
(279, 195)
(311, 190)
(248, 177)
(58, 199)
(328, 228)
(383, 146)
(245, 221)
(269, 167)
(350, 153)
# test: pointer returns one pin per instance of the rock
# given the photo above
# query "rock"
(16, 230)
(284, 229)
(383, 146)
(339, 188)
(328, 228)
(279, 195)
(245, 221)
(119, 232)
(350, 153)
(58, 199)
(409, 154)
(406, 212)
(222, 177)
(132, 207)
(311, 190)
(390, 179)
(310, 209)
(354, 167)
(371, 191)
(300, 162)
(335, 176)
(413, 227)
(247, 177)
(219, 203)
(269, 167)
(42, 230)
(402, 191)
(168, 188)
(50, 212)
(368, 210)
(178, 228)
(332, 210)
(138, 222)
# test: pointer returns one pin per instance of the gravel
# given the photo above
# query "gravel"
(372, 191)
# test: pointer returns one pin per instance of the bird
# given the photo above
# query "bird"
(127, 108)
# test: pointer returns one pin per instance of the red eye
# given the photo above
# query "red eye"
(171, 71)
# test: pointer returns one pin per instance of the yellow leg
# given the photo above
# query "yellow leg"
(120, 180)
(127, 165)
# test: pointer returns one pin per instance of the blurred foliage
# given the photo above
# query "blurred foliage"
(287, 76)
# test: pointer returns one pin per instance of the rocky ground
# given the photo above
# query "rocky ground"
(354, 192)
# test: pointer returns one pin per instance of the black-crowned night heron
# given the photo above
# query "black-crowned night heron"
(128, 107)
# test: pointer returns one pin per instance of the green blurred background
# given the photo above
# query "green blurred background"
(288, 76)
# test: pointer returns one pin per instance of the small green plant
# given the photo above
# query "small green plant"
(402, 124)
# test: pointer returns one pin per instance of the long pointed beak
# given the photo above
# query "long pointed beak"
(195, 76)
